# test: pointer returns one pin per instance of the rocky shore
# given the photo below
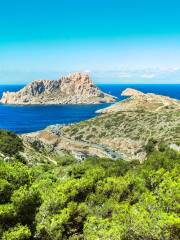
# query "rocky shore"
(74, 89)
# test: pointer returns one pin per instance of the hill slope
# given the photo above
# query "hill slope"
(127, 130)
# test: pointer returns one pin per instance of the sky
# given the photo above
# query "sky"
(47, 38)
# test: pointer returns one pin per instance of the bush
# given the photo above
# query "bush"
(167, 159)
(17, 233)
(5, 190)
(10, 143)
(25, 203)
(150, 146)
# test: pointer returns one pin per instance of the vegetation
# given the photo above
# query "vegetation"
(10, 143)
(94, 199)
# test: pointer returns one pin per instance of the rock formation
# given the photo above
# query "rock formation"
(74, 89)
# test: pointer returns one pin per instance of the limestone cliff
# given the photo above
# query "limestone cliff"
(74, 89)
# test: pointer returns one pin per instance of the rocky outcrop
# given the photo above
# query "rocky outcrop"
(74, 89)
(138, 101)
(131, 92)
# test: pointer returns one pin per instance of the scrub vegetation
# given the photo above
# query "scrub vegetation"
(92, 199)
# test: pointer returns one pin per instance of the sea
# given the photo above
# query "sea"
(25, 119)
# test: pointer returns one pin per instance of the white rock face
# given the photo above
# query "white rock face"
(74, 89)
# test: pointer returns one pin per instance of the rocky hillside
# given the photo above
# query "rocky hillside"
(140, 101)
(128, 129)
(74, 89)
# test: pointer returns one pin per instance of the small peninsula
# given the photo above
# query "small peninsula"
(139, 101)
(76, 88)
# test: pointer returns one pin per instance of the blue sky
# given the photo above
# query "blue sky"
(51, 36)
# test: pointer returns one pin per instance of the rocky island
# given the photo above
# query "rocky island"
(74, 89)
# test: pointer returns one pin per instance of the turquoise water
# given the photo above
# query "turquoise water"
(23, 119)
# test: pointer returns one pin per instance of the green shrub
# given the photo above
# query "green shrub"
(10, 143)
(150, 146)
(25, 202)
(5, 190)
(17, 233)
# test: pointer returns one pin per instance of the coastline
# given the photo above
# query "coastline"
(30, 118)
